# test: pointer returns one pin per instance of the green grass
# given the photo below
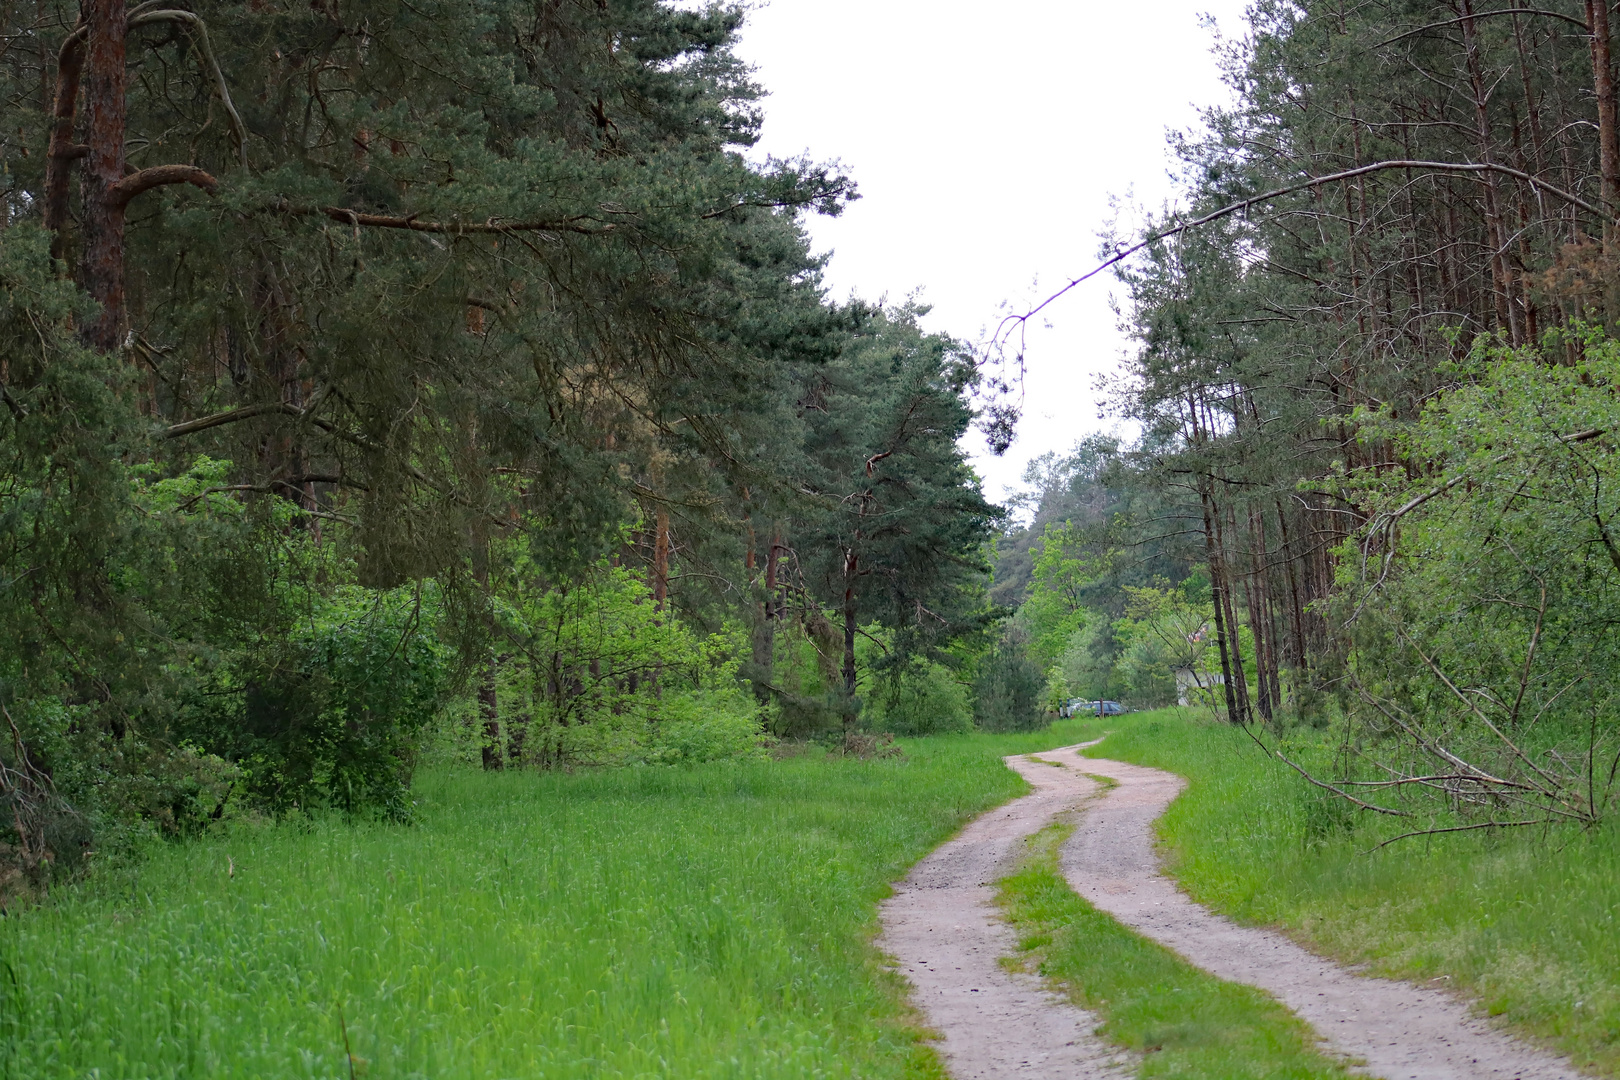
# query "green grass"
(654, 922)
(1526, 923)
(1182, 1021)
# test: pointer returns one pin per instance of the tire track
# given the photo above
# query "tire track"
(1399, 1030)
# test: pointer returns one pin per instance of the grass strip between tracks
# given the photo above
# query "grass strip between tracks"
(1182, 1022)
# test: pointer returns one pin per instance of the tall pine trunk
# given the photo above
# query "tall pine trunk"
(101, 262)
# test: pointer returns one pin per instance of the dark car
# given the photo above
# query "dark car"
(1110, 708)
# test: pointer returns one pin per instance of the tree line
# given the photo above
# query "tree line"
(1373, 377)
(367, 362)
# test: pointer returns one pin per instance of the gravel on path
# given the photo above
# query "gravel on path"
(942, 927)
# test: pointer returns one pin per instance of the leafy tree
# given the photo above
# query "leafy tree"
(1483, 604)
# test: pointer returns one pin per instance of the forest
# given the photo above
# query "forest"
(423, 417)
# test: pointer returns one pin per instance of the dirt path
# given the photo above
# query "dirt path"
(1399, 1030)
(948, 937)
(942, 927)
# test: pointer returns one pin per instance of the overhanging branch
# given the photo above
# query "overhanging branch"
(1121, 254)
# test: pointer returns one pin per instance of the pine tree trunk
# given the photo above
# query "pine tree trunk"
(489, 712)
(851, 570)
(661, 560)
(1217, 589)
(60, 156)
(101, 264)
(765, 634)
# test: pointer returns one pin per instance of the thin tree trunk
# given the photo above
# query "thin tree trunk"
(1496, 233)
(851, 571)
(1217, 587)
(1240, 684)
(765, 633)
(489, 712)
(1254, 595)
(661, 560)
(60, 156)
(1603, 88)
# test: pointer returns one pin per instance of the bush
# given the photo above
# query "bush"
(706, 725)
(330, 716)
(923, 698)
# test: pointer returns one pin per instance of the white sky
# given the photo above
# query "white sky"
(987, 140)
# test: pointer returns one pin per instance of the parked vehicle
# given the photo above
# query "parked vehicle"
(1080, 706)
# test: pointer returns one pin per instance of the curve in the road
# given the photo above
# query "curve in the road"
(947, 937)
(1400, 1031)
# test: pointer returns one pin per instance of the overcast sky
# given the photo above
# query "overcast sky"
(987, 140)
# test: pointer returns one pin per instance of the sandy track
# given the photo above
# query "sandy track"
(948, 937)
(1399, 1030)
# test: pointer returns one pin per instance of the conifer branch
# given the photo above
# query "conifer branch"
(1482, 14)
(157, 176)
(411, 223)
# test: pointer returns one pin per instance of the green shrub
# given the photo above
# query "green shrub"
(706, 725)
(924, 698)
(1010, 686)
(329, 716)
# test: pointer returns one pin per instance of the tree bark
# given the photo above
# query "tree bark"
(851, 571)
(63, 153)
(1506, 317)
(765, 636)
(1217, 589)
(661, 560)
(489, 712)
(101, 263)
(1597, 24)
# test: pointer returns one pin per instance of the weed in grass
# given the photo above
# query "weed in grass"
(1526, 924)
(1179, 1020)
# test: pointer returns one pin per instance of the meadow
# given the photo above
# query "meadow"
(705, 921)
(716, 921)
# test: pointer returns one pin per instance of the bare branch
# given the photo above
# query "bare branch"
(1120, 255)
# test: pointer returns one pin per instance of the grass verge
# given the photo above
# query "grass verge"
(1180, 1020)
(1525, 923)
(701, 922)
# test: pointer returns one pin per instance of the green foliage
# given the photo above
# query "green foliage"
(895, 530)
(696, 726)
(1486, 597)
(331, 714)
(597, 674)
(1185, 1021)
(1165, 632)
(1056, 608)
(1087, 666)
(922, 698)
(1009, 689)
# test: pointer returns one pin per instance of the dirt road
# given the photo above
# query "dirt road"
(947, 936)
